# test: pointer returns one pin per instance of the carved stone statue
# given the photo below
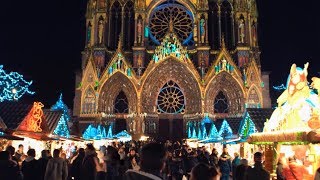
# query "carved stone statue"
(100, 30)
(139, 31)
(241, 31)
(195, 33)
(89, 33)
(202, 30)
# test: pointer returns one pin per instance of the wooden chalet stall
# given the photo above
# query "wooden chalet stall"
(294, 127)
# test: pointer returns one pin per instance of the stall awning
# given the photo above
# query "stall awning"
(286, 137)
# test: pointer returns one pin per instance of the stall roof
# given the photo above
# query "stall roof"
(259, 116)
(13, 112)
(234, 124)
(52, 118)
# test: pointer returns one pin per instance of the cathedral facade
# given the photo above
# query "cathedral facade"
(152, 66)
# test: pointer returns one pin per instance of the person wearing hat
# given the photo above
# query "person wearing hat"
(257, 171)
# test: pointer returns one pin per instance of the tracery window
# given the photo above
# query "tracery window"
(89, 102)
(115, 25)
(121, 103)
(221, 103)
(128, 25)
(253, 99)
(171, 99)
(171, 16)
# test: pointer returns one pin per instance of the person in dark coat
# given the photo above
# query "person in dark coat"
(8, 169)
(235, 163)
(11, 151)
(279, 170)
(113, 163)
(88, 164)
(225, 166)
(152, 161)
(76, 165)
(214, 159)
(30, 166)
(42, 163)
(257, 172)
(241, 170)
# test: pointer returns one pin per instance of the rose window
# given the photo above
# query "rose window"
(171, 99)
(171, 17)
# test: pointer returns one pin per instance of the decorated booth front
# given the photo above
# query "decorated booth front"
(294, 127)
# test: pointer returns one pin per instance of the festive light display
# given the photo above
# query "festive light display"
(95, 133)
(189, 130)
(247, 127)
(225, 130)
(34, 119)
(279, 88)
(194, 133)
(214, 134)
(110, 134)
(62, 128)
(13, 86)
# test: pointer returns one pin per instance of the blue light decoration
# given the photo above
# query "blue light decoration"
(189, 132)
(282, 87)
(94, 133)
(200, 135)
(110, 134)
(204, 131)
(247, 127)
(1, 133)
(194, 133)
(13, 86)
(60, 105)
(123, 134)
(62, 128)
(214, 134)
(225, 130)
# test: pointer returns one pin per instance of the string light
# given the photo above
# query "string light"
(225, 130)
(62, 128)
(247, 127)
(96, 133)
(34, 119)
(13, 86)
(279, 88)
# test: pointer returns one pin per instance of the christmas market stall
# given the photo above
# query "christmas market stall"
(98, 134)
(293, 129)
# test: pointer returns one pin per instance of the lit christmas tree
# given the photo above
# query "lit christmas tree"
(247, 127)
(214, 134)
(13, 86)
(62, 128)
(90, 132)
(225, 130)
(110, 134)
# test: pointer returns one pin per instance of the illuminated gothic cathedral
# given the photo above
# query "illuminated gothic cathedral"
(152, 66)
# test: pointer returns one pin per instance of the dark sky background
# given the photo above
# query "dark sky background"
(43, 41)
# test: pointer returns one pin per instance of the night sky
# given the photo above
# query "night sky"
(43, 41)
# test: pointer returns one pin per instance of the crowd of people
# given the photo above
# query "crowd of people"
(130, 161)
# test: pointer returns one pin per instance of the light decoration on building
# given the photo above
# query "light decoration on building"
(225, 130)
(170, 46)
(247, 127)
(223, 65)
(13, 86)
(119, 64)
(34, 119)
(95, 133)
